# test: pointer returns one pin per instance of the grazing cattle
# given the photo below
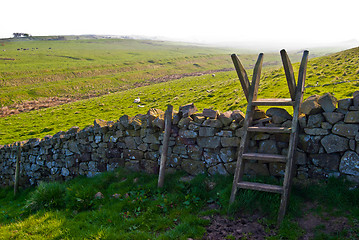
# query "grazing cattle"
(137, 100)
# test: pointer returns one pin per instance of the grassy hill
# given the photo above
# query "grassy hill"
(222, 92)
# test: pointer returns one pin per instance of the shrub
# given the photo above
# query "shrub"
(47, 196)
(80, 197)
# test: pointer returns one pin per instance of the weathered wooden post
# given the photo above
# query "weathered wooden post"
(17, 169)
(168, 120)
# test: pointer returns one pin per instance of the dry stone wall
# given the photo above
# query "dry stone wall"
(200, 142)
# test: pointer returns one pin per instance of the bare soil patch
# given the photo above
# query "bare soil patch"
(251, 226)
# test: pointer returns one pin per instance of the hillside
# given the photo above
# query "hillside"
(335, 73)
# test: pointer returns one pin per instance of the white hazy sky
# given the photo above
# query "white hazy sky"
(273, 21)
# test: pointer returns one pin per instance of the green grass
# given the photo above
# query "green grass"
(222, 92)
(133, 208)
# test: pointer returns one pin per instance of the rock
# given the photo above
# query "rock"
(184, 122)
(346, 130)
(230, 141)
(258, 114)
(345, 103)
(124, 121)
(194, 152)
(98, 123)
(277, 169)
(209, 142)
(326, 125)
(237, 115)
(224, 133)
(328, 102)
(133, 165)
(73, 130)
(356, 99)
(334, 143)
(193, 167)
(226, 118)
(349, 163)
(211, 158)
(268, 146)
(130, 143)
(326, 161)
(206, 131)
(311, 106)
(227, 154)
(187, 133)
(187, 110)
(279, 115)
(159, 122)
(309, 144)
(352, 117)
(131, 154)
(198, 118)
(215, 123)
(302, 121)
(217, 169)
(315, 120)
(333, 117)
(210, 113)
(316, 131)
(65, 172)
(179, 149)
(149, 166)
(73, 147)
(256, 169)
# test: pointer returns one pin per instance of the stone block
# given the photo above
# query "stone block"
(194, 152)
(333, 117)
(309, 144)
(315, 120)
(226, 118)
(326, 161)
(206, 131)
(346, 130)
(237, 115)
(187, 133)
(316, 131)
(345, 103)
(268, 146)
(210, 113)
(334, 143)
(328, 102)
(279, 115)
(211, 158)
(209, 142)
(352, 117)
(187, 110)
(217, 169)
(311, 106)
(228, 154)
(192, 167)
(184, 122)
(214, 123)
(256, 169)
(230, 141)
(349, 163)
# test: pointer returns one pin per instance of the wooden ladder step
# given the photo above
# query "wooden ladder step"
(270, 129)
(265, 157)
(260, 187)
(274, 102)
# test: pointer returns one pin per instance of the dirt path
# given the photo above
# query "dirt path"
(40, 103)
(250, 226)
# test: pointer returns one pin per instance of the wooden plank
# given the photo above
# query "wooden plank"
(265, 157)
(261, 187)
(253, 91)
(242, 75)
(274, 102)
(288, 69)
(168, 120)
(270, 129)
(17, 169)
(293, 138)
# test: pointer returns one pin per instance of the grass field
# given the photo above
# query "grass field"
(222, 92)
(125, 205)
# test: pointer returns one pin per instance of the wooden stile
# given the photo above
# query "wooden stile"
(296, 93)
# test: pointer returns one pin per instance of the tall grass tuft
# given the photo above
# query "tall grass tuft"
(47, 196)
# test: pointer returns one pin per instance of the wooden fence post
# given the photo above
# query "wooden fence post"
(168, 120)
(17, 169)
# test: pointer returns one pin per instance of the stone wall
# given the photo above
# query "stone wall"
(200, 142)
